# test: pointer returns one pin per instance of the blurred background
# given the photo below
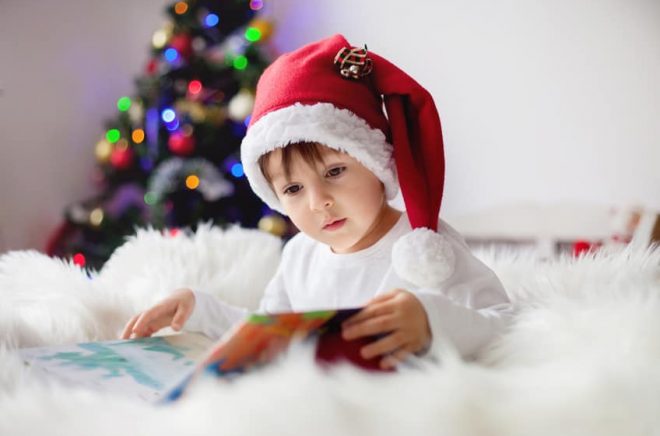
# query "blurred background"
(550, 113)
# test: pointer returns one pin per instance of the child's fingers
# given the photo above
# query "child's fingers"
(182, 313)
(382, 297)
(153, 319)
(128, 329)
(386, 345)
(370, 327)
(372, 310)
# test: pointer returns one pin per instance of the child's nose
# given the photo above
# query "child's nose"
(320, 199)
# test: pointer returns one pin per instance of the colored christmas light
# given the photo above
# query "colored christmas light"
(112, 135)
(171, 54)
(240, 62)
(124, 104)
(103, 150)
(79, 259)
(137, 136)
(256, 5)
(150, 198)
(252, 34)
(181, 8)
(96, 217)
(237, 170)
(159, 39)
(247, 120)
(195, 87)
(174, 98)
(192, 182)
(211, 20)
(168, 115)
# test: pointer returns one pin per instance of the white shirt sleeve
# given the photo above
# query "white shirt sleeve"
(214, 317)
(470, 308)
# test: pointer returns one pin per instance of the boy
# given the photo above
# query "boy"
(320, 149)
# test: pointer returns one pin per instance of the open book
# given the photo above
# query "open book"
(161, 368)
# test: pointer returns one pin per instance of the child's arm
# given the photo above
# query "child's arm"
(171, 312)
(468, 310)
(202, 312)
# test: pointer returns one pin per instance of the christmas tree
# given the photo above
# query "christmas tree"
(170, 159)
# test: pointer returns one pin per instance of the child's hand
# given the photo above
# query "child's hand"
(401, 317)
(172, 311)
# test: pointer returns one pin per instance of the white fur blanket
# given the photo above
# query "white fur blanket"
(583, 357)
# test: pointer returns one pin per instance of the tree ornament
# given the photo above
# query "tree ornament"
(273, 224)
(136, 113)
(169, 176)
(103, 151)
(152, 66)
(240, 106)
(182, 43)
(181, 144)
(122, 158)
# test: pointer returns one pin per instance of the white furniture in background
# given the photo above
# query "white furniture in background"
(547, 231)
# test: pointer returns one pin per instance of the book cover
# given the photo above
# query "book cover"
(144, 368)
(160, 368)
(261, 337)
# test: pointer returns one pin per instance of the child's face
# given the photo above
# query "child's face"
(338, 202)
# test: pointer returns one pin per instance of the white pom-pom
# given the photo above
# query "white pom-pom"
(424, 258)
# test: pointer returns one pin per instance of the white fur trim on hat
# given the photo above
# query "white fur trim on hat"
(423, 257)
(326, 124)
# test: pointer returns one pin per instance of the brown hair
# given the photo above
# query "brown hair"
(310, 152)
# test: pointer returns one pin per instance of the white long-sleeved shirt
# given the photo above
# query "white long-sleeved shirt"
(469, 309)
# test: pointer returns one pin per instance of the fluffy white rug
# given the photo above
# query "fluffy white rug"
(583, 357)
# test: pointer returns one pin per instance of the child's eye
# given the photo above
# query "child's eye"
(289, 190)
(334, 172)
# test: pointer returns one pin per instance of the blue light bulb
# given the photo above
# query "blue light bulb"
(171, 54)
(211, 20)
(168, 115)
(237, 170)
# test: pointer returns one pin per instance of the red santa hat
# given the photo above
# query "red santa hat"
(332, 93)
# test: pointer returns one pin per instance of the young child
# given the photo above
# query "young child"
(321, 150)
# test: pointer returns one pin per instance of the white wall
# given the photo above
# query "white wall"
(63, 65)
(541, 101)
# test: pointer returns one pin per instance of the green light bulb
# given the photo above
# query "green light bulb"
(252, 34)
(240, 62)
(123, 104)
(112, 136)
(150, 198)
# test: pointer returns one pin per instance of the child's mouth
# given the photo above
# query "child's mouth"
(335, 224)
